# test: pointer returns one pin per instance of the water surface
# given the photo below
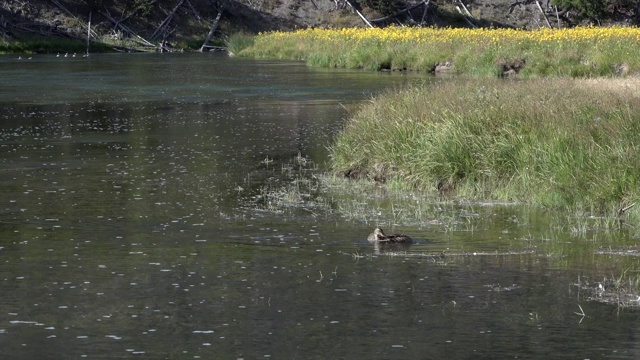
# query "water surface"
(127, 229)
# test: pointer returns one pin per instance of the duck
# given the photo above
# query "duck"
(378, 236)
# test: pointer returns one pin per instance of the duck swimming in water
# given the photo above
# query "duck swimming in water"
(378, 236)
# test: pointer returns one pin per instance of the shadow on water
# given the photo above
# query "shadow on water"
(135, 222)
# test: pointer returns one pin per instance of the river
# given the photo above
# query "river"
(129, 228)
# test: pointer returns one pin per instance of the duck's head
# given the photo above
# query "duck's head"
(376, 235)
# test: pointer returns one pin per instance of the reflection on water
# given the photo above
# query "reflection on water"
(124, 233)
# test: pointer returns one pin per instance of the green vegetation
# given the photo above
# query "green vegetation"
(622, 290)
(35, 45)
(238, 42)
(577, 52)
(565, 144)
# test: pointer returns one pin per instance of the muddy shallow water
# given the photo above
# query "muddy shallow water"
(128, 230)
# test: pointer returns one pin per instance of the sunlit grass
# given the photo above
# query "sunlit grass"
(557, 144)
(239, 42)
(583, 51)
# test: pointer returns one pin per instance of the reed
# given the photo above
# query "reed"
(557, 143)
(477, 52)
(238, 42)
(622, 290)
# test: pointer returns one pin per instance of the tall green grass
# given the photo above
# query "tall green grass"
(569, 144)
(239, 42)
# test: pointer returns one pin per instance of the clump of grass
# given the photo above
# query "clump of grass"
(238, 42)
(622, 290)
(300, 190)
(556, 143)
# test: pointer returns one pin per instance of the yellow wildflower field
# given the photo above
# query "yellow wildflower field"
(435, 35)
(580, 51)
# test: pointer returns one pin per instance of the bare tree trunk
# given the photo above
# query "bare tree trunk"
(543, 14)
(424, 13)
(88, 34)
(465, 9)
(359, 14)
(466, 18)
(213, 30)
(194, 11)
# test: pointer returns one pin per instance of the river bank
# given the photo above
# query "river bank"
(550, 141)
(575, 52)
(558, 143)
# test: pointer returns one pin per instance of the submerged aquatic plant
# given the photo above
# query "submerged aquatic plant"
(622, 290)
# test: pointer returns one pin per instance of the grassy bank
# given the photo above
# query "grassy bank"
(567, 144)
(477, 52)
(50, 45)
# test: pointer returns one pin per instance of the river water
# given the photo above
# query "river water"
(128, 230)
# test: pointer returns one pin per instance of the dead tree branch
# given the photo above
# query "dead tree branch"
(543, 14)
(425, 3)
(166, 21)
(194, 11)
(359, 14)
(124, 28)
(61, 7)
